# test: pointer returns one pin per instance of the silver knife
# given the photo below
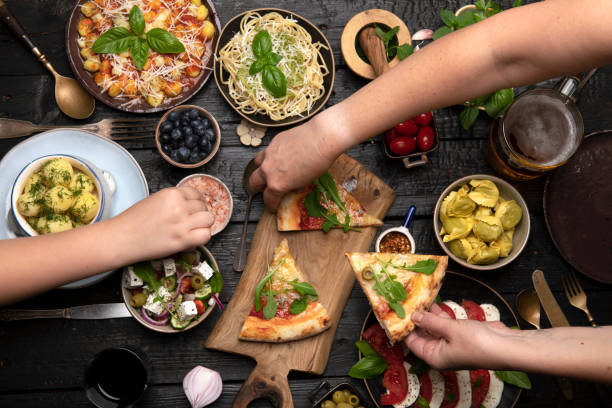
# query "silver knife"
(101, 311)
(557, 319)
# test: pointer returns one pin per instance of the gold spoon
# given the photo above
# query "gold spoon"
(70, 96)
(528, 306)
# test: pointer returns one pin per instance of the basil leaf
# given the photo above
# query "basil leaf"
(514, 327)
(381, 34)
(313, 205)
(493, 9)
(114, 41)
(145, 271)
(468, 116)
(387, 36)
(304, 288)
(478, 17)
(368, 367)
(517, 378)
(163, 42)
(137, 21)
(216, 282)
(438, 300)
(441, 32)
(419, 367)
(298, 305)
(274, 81)
(499, 101)
(398, 309)
(477, 382)
(450, 397)
(262, 44)
(448, 17)
(140, 52)
(270, 308)
(422, 402)
(397, 290)
(256, 67)
(327, 225)
(480, 5)
(517, 3)
(404, 51)
(366, 349)
(272, 58)
(465, 19)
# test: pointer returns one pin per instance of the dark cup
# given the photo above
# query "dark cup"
(115, 378)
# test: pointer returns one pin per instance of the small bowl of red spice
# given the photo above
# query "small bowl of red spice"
(398, 239)
(216, 195)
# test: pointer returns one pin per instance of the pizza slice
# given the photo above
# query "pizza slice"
(285, 306)
(397, 285)
(323, 205)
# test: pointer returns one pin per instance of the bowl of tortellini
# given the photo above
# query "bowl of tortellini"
(58, 193)
(481, 222)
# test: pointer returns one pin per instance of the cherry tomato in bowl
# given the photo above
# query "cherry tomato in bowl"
(408, 128)
(390, 135)
(402, 145)
(423, 119)
(425, 138)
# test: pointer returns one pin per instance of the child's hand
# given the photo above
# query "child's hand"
(168, 221)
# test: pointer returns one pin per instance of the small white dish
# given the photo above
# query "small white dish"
(402, 230)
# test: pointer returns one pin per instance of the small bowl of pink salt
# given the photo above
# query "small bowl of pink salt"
(216, 195)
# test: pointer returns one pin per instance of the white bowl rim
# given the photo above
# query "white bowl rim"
(19, 218)
(516, 251)
(229, 193)
(401, 230)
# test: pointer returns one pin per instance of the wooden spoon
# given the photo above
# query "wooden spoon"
(528, 306)
(70, 96)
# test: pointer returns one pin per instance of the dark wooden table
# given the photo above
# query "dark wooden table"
(42, 362)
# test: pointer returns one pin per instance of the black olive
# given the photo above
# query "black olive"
(183, 154)
(205, 146)
(200, 130)
(210, 136)
(165, 138)
(174, 115)
(195, 123)
(187, 131)
(191, 141)
(194, 158)
(206, 122)
(166, 126)
(176, 134)
(174, 155)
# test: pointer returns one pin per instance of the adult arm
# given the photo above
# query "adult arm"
(166, 222)
(519, 46)
(445, 343)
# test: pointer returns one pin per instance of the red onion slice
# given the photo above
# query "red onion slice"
(150, 320)
(214, 296)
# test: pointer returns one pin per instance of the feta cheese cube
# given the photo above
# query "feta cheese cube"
(154, 306)
(169, 266)
(163, 293)
(204, 269)
(187, 310)
(132, 280)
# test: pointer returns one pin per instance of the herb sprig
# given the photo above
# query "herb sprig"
(371, 365)
(494, 103)
(402, 51)
(392, 290)
(272, 78)
(120, 39)
(326, 191)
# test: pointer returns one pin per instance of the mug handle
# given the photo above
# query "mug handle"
(421, 162)
(110, 180)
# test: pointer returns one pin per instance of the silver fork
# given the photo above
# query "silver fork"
(576, 295)
(114, 129)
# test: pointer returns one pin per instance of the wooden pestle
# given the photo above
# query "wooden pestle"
(374, 49)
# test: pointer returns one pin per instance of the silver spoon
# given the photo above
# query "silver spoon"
(241, 255)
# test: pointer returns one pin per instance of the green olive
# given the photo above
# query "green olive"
(338, 397)
(190, 257)
(197, 281)
(353, 400)
(367, 273)
(328, 404)
(343, 405)
(169, 282)
(347, 393)
(138, 300)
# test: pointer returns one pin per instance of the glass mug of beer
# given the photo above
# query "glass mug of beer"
(539, 132)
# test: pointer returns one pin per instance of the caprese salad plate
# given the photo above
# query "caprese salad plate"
(409, 382)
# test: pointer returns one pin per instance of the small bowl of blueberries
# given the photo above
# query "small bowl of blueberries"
(188, 136)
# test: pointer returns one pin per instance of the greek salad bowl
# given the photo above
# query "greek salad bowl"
(173, 294)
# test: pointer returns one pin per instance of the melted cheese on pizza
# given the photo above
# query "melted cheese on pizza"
(287, 272)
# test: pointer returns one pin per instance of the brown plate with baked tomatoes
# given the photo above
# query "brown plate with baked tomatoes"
(472, 298)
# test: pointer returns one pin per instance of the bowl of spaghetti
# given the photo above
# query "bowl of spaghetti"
(252, 72)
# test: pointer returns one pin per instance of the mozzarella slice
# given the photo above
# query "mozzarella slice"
(457, 309)
(465, 388)
(496, 388)
(491, 312)
(414, 389)
(437, 389)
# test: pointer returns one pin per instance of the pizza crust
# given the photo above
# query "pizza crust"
(288, 215)
(312, 321)
(421, 289)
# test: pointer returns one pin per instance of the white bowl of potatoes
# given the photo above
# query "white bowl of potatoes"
(60, 192)
(481, 222)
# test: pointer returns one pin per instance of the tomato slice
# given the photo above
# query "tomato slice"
(396, 382)
(377, 338)
(199, 306)
(448, 310)
(480, 380)
(426, 391)
(473, 310)
(186, 285)
(451, 389)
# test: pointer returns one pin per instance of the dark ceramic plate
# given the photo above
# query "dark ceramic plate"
(578, 207)
(456, 287)
(86, 78)
(233, 27)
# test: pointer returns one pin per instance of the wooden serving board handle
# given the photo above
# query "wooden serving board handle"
(267, 381)
(374, 49)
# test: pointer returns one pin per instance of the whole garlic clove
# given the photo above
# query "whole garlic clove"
(246, 128)
(246, 139)
(255, 142)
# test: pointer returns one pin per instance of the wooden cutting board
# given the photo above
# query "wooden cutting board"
(321, 258)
